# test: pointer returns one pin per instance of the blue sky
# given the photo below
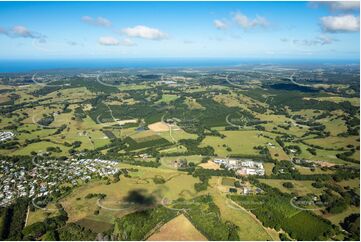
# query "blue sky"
(88, 30)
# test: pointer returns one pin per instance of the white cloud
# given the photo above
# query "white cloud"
(103, 22)
(320, 40)
(220, 24)
(188, 42)
(127, 42)
(111, 41)
(144, 32)
(326, 40)
(338, 5)
(246, 22)
(342, 23)
(20, 31)
(87, 19)
(99, 21)
(344, 5)
(74, 43)
(108, 41)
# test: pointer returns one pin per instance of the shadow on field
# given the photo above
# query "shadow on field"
(140, 197)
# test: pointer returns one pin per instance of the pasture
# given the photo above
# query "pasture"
(167, 98)
(167, 161)
(249, 227)
(334, 142)
(240, 142)
(177, 185)
(300, 188)
(177, 229)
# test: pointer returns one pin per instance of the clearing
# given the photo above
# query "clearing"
(210, 165)
(178, 229)
(159, 127)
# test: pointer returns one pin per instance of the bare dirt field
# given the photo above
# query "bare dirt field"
(178, 229)
(324, 163)
(159, 127)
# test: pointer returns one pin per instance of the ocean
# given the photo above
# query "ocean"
(7, 66)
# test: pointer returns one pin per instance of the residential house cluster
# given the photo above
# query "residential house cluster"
(46, 176)
(5, 135)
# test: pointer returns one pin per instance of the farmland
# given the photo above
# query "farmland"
(164, 134)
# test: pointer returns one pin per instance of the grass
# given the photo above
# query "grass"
(74, 94)
(334, 142)
(177, 135)
(133, 87)
(273, 120)
(276, 209)
(39, 215)
(167, 98)
(167, 160)
(307, 171)
(323, 155)
(4, 98)
(94, 225)
(339, 217)
(37, 133)
(227, 100)
(178, 184)
(143, 136)
(277, 153)
(335, 127)
(41, 147)
(179, 229)
(354, 101)
(226, 181)
(249, 228)
(241, 142)
(192, 103)
(268, 168)
(353, 183)
(176, 148)
(301, 188)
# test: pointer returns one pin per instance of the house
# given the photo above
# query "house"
(219, 161)
(180, 163)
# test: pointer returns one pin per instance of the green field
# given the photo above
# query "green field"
(177, 185)
(240, 142)
(167, 98)
(300, 188)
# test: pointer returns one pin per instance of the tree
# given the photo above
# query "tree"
(352, 225)
(288, 185)
(233, 190)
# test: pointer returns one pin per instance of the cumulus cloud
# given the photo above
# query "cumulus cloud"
(99, 21)
(220, 24)
(246, 22)
(144, 32)
(20, 31)
(108, 41)
(341, 23)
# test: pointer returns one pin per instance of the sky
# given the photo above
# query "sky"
(91, 30)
